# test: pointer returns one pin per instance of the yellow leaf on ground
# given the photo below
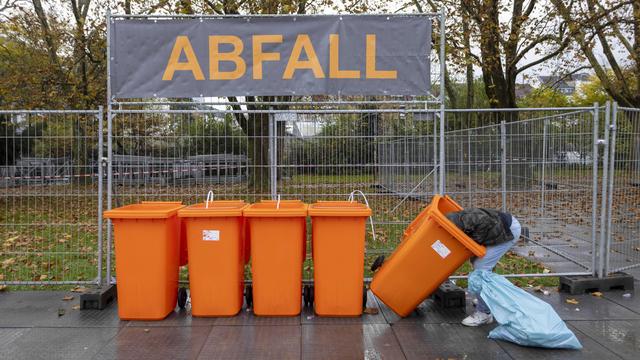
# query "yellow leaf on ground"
(75, 307)
(370, 311)
(43, 277)
(546, 271)
(572, 301)
(79, 289)
(597, 293)
(67, 298)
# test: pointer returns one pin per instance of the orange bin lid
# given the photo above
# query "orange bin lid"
(147, 210)
(218, 208)
(288, 208)
(339, 208)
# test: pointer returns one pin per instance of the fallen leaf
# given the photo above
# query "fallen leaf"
(572, 301)
(60, 312)
(79, 289)
(43, 277)
(370, 311)
(546, 271)
(147, 330)
(76, 307)
(538, 288)
(1, 277)
(8, 262)
(67, 298)
(597, 294)
(3, 287)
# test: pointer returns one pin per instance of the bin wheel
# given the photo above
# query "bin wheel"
(307, 296)
(377, 263)
(182, 298)
(248, 295)
(364, 297)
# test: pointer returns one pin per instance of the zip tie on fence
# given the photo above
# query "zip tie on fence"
(278, 202)
(209, 198)
(351, 198)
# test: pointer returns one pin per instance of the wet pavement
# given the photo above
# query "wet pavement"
(41, 325)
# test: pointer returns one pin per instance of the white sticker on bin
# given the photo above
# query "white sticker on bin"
(211, 235)
(441, 249)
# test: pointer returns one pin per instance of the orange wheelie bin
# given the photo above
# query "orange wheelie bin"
(278, 233)
(215, 238)
(184, 258)
(431, 250)
(147, 249)
(338, 243)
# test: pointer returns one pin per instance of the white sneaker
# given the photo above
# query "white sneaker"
(477, 318)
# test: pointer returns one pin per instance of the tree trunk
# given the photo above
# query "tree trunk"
(258, 153)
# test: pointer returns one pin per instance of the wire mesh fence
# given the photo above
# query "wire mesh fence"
(623, 220)
(541, 166)
(50, 229)
(546, 166)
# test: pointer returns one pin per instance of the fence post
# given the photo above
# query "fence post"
(594, 193)
(611, 177)
(442, 145)
(273, 175)
(100, 191)
(543, 187)
(603, 198)
(503, 162)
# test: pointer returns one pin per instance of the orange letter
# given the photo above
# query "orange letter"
(334, 61)
(182, 44)
(215, 57)
(372, 73)
(259, 56)
(303, 43)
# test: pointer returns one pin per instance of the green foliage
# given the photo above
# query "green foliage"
(589, 93)
(544, 97)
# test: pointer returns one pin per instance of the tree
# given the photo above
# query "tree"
(544, 97)
(615, 27)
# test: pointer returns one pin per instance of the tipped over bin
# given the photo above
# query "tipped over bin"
(431, 250)
(215, 238)
(338, 245)
(278, 232)
(147, 251)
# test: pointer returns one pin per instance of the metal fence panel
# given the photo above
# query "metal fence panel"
(623, 218)
(538, 165)
(50, 197)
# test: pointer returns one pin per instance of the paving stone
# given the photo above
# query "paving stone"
(368, 341)
(156, 343)
(58, 343)
(309, 317)
(591, 350)
(620, 336)
(589, 307)
(253, 342)
(43, 308)
(447, 341)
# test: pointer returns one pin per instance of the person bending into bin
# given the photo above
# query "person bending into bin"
(496, 230)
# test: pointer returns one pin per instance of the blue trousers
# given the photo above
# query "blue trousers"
(493, 255)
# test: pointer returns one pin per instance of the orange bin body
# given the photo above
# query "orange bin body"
(431, 250)
(215, 237)
(147, 249)
(184, 258)
(338, 229)
(277, 252)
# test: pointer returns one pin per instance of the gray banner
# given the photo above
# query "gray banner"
(301, 55)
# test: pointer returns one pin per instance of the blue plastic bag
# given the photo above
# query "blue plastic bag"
(524, 319)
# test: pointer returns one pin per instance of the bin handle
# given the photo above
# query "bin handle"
(209, 199)
(278, 202)
(351, 196)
